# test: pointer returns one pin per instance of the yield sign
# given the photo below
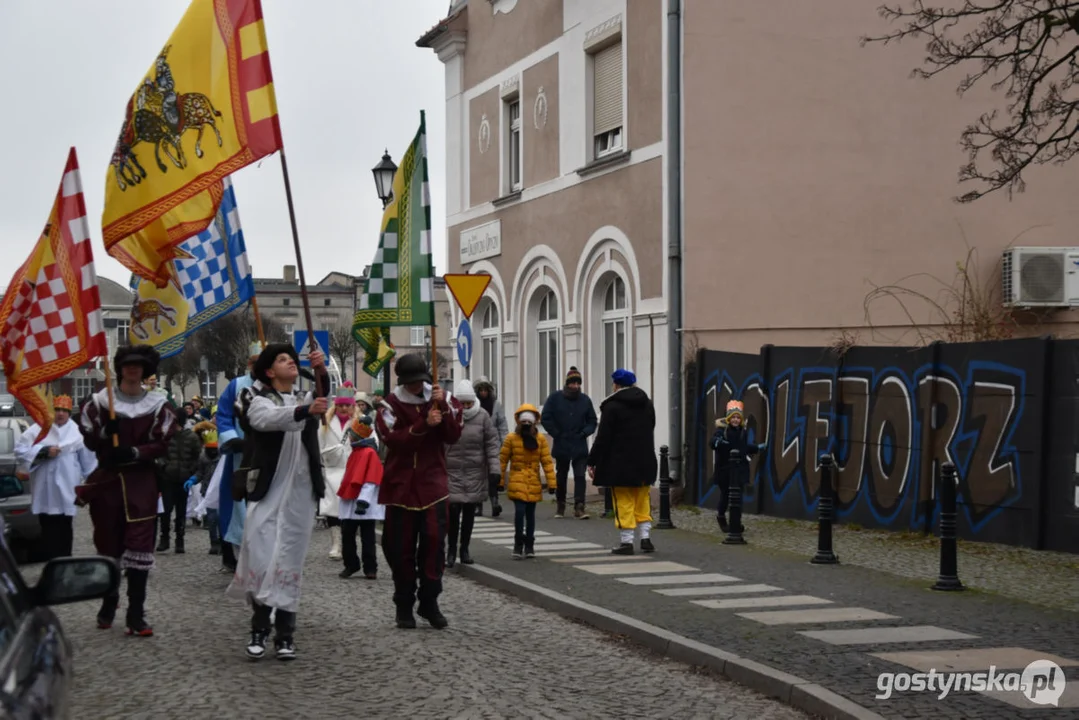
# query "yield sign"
(467, 290)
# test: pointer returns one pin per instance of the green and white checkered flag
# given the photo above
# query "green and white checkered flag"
(400, 287)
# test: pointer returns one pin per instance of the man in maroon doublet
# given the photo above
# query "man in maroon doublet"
(122, 492)
(416, 421)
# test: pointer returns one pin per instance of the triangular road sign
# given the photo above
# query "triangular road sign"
(467, 290)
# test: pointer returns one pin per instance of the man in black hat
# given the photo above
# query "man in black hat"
(122, 492)
(416, 421)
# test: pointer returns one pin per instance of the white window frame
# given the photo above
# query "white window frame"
(491, 343)
(82, 387)
(613, 318)
(416, 335)
(514, 145)
(123, 330)
(608, 143)
(547, 337)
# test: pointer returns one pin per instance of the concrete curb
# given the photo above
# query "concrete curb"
(788, 689)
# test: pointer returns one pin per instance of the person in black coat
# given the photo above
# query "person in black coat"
(731, 434)
(623, 458)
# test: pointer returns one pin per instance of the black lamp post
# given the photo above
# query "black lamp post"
(384, 173)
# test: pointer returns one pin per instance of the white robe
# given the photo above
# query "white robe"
(53, 480)
(333, 443)
(277, 529)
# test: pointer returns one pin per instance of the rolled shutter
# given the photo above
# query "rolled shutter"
(607, 89)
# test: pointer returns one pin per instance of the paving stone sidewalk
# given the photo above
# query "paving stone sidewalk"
(772, 606)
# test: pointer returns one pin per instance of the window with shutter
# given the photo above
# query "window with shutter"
(607, 99)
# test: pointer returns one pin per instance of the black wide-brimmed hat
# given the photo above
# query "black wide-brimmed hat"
(411, 368)
(144, 355)
(267, 357)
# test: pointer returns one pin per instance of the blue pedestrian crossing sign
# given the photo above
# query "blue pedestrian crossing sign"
(303, 348)
(464, 342)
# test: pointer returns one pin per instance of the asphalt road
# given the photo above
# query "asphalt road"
(500, 658)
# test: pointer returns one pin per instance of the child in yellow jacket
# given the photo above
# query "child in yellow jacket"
(523, 452)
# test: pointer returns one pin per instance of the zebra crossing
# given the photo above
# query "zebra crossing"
(772, 605)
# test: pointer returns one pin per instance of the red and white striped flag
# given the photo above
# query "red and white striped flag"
(50, 317)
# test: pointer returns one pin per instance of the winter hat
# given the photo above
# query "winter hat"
(624, 378)
(144, 355)
(267, 358)
(527, 413)
(362, 426)
(464, 391)
(735, 407)
(411, 368)
(573, 377)
(346, 394)
(62, 402)
(362, 397)
(209, 439)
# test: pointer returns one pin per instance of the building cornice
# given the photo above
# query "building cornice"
(450, 44)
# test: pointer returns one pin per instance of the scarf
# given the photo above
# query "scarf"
(488, 403)
(471, 412)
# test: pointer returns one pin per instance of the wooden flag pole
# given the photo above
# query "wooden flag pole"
(320, 391)
(112, 402)
(258, 321)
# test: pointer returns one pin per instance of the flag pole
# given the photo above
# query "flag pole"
(434, 355)
(258, 321)
(319, 390)
(112, 403)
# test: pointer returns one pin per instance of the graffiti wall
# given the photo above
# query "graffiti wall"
(890, 417)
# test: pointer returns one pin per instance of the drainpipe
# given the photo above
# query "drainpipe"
(674, 233)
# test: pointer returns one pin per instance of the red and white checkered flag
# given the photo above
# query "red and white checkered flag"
(50, 317)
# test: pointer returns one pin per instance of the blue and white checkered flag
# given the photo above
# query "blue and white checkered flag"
(215, 278)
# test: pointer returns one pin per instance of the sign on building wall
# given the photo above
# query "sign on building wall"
(483, 241)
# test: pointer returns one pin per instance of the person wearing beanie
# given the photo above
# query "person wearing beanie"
(57, 463)
(731, 434)
(415, 422)
(122, 493)
(623, 458)
(358, 496)
(487, 396)
(472, 465)
(569, 418)
(524, 452)
(334, 444)
(281, 477)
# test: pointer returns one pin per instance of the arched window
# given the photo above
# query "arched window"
(547, 349)
(615, 321)
(490, 339)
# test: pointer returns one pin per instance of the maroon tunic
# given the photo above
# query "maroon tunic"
(415, 474)
(123, 498)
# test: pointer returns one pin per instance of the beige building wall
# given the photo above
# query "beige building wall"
(816, 169)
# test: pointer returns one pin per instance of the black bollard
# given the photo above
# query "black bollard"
(739, 467)
(825, 510)
(664, 490)
(949, 551)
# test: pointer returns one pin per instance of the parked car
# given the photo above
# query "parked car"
(7, 405)
(22, 529)
(36, 659)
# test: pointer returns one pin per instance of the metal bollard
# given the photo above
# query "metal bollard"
(734, 505)
(825, 513)
(664, 522)
(949, 552)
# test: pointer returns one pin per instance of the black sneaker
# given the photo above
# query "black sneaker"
(530, 552)
(405, 619)
(518, 551)
(348, 572)
(256, 648)
(623, 549)
(433, 615)
(215, 549)
(284, 649)
(138, 627)
(466, 557)
(647, 546)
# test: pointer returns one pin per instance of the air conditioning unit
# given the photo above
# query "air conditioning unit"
(1040, 277)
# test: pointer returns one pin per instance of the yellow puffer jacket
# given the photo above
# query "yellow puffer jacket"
(522, 467)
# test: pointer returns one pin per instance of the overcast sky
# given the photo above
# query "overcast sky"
(349, 81)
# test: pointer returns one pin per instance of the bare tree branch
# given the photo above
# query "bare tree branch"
(1029, 50)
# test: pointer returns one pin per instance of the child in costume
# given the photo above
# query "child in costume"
(199, 483)
(359, 509)
(731, 434)
(524, 451)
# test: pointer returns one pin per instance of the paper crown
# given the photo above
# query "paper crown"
(735, 407)
(362, 426)
(62, 402)
(209, 439)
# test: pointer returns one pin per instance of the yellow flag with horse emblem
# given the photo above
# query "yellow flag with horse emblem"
(205, 109)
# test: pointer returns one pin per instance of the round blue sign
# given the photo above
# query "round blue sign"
(464, 342)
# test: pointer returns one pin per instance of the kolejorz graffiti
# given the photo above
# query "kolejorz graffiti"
(889, 431)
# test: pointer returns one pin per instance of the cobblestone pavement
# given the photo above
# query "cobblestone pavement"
(1040, 577)
(726, 596)
(500, 658)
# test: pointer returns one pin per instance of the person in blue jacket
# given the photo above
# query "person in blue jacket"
(731, 434)
(569, 418)
(230, 444)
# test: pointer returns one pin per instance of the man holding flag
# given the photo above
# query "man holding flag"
(417, 419)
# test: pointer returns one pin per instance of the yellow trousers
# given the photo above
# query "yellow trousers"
(632, 506)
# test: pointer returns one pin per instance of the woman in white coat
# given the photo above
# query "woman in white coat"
(335, 449)
(57, 464)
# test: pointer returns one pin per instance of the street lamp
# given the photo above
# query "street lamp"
(384, 173)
